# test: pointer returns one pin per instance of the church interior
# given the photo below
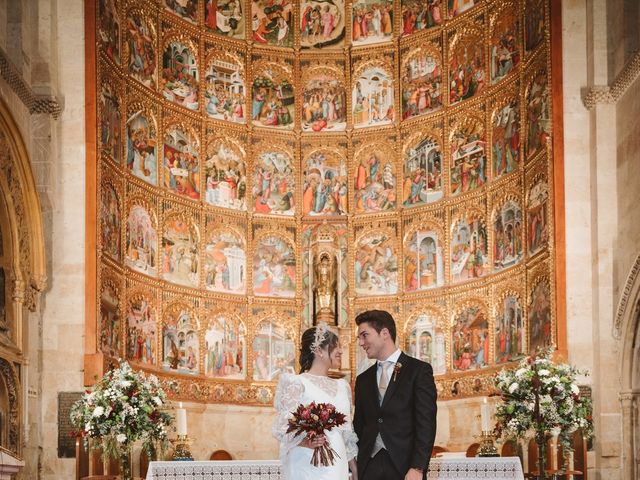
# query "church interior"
(189, 185)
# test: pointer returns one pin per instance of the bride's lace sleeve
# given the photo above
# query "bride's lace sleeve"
(288, 395)
(348, 434)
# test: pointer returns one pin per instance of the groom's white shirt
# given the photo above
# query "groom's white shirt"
(393, 358)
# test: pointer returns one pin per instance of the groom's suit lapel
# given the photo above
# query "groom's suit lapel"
(373, 381)
(395, 379)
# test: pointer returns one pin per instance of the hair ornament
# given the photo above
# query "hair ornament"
(321, 332)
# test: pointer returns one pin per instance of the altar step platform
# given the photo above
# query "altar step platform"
(443, 468)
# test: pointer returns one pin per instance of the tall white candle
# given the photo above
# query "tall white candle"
(181, 421)
(485, 415)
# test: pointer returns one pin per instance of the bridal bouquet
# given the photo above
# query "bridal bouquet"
(313, 420)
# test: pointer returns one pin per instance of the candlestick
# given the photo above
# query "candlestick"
(181, 450)
(181, 421)
(487, 447)
(485, 416)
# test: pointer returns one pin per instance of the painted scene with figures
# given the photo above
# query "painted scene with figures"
(274, 268)
(274, 352)
(225, 343)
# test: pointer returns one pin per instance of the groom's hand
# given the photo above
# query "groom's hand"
(413, 474)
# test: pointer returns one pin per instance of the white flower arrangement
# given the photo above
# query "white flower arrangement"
(124, 407)
(540, 397)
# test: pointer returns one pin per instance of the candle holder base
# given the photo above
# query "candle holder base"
(487, 447)
(181, 450)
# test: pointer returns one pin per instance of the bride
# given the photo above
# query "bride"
(319, 351)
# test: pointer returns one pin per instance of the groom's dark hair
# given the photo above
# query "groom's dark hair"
(378, 319)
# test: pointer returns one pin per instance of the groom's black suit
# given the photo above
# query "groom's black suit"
(406, 419)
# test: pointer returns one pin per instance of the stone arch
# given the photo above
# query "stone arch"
(627, 328)
(25, 271)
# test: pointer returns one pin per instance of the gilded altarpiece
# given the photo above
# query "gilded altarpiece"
(265, 164)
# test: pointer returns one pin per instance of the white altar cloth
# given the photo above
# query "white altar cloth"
(504, 468)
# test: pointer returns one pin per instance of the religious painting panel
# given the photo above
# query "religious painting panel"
(509, 329)
(226, 172)
(376, 263)
(540, 317)
(538, 113)
(469, 247)
(142, 327)
(225, 87)
(225, 17)
(141, 48)
(324, 97)
(372, 95)
(508, 249)
(372, 22)
(185, 9)
(375, 177)
(537, 216)
(272, 95)
(458, 7)
(420, 15)
(110, 111)
(426, 340)
(505, 137)
(272, 22)
(422, 168)
(110, 218)
(322, 23)
(421, 80)
(110, 326)
(423, 258)
(274, 267)
(274, 350)
(534, 23)
(467, 140)
(225, 343)
(467, 64)
(142, 238)
(274, 180)
(504, 41)
(180, 339)
(142, 135)
(324, 191)
(225, 257)
(181, 167)
(109, 28)
(180, 81)
(180, 248)
(470, 338)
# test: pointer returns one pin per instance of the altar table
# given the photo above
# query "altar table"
(505, 468)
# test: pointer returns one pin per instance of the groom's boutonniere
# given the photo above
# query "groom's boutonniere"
(396, 370)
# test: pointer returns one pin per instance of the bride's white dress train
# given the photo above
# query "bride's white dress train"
(305, 388)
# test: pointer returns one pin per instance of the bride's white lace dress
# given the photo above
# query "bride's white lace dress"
(305, 388)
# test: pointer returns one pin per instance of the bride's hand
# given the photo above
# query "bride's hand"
(314, 441)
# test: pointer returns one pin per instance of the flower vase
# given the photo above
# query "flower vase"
(125, 464)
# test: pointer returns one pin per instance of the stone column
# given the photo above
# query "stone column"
(628, 400)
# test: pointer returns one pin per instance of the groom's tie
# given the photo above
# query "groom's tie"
(383, 383)
(384, 379)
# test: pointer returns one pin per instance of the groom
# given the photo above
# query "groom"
(395, 412)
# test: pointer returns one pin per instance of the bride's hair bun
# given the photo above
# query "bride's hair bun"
(315, 338)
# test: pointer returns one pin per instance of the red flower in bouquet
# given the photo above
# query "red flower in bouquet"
(313, 420)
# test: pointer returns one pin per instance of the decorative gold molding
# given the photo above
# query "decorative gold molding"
(610, 94)
(35, 103)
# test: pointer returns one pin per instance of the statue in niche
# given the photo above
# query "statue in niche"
(325, 300)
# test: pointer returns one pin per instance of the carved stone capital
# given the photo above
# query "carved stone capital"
(610, 94)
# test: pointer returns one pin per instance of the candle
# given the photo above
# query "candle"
(485, 415)
(181, 421)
